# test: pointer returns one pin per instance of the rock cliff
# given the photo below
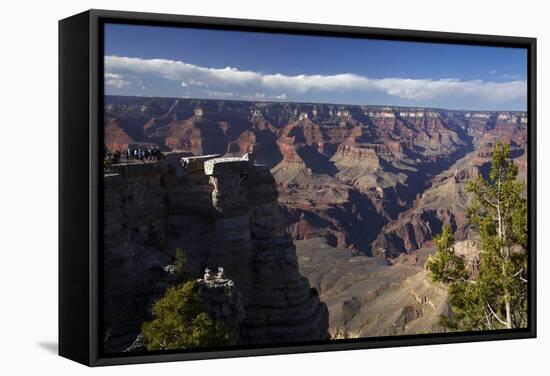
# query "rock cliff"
(352, 175)
(223, 212)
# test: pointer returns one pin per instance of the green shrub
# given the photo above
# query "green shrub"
(181, 322)
(180, 265)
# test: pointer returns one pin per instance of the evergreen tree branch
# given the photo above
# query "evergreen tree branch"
(471, 281)
(519, 274)
(495, 315)
(489, 324)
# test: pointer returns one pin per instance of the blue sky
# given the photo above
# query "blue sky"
(217, 64)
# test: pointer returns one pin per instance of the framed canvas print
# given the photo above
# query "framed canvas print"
(239, 187)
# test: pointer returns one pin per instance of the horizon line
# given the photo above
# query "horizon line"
(312, 103)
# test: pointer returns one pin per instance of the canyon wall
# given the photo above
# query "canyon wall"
(376, 180)
(222, 212)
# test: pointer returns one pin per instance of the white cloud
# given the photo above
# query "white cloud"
(250, 84)
(256, 96)
(451, 88)
(180, 71)
(116, 80)
(219, 94)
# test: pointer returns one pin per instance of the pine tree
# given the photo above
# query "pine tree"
(180, 265)
(446, 266)
(180, 322)
(497, 297)
(179, 319)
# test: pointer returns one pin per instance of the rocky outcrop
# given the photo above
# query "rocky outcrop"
(465, 174)
(223, 301)
(182, 135)
(222, 212)
(339, 167)
(134, 240)
(443, 204)
(471, 251)
(243, 145)
(115, 137)
(352, 154)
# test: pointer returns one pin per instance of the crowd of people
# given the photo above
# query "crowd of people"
(149, 154)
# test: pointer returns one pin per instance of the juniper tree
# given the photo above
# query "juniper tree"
(446, 266)
(180, 321)
(180, 265)
(497, 297)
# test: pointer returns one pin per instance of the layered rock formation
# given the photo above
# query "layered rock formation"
(223, 301)
(343, 183)
(339, 168)
(444, 203)
(135, 236)
(115, 137)
(222, 212)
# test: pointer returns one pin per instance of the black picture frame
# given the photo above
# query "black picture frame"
(80, 183)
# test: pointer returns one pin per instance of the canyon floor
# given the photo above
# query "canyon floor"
(370, 296)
